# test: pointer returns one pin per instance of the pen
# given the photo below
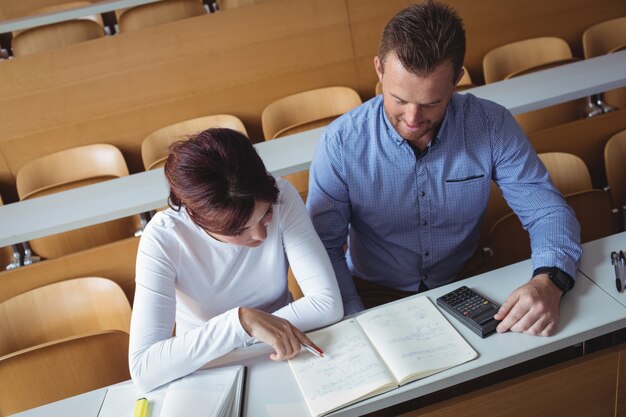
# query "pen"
(141, 408)
(618, 276)
(313, 350)
(622, 262)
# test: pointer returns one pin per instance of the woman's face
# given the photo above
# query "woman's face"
(255, 231)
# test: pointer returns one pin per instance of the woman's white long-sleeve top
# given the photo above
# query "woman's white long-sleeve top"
(186, 277)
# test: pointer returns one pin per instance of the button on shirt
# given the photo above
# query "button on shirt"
(415, 217)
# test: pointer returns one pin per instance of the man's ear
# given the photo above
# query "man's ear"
(378, 66)
(459, 76)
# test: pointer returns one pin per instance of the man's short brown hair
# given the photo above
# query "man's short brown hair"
(423, 36)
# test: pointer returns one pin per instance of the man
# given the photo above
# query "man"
(407, 175)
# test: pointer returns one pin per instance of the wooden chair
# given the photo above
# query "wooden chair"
(62, 309)
(155, 147)
(605, 38)
(68, 169)
(57, 35)
(233, 4)
(510, 243)
(568, 172)
(9, 255)
(158, 13)
(304, 111)
(64, 368)
(523, 57)
(594, 213)
(614, 157)
(70, 5)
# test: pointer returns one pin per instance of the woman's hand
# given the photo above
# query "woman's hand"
(274, 331)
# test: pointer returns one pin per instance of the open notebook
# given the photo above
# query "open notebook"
(205, 393)
(377, 351)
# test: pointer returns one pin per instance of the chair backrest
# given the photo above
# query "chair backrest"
(510, 243)
(6, 255)
(47, 174)
(155, 147)
(57, 370)
(62, 309)
(594, 213)
(158, 13)
(68, 169)
(614, 157)
(232, 4)
(70, 5)
(605, 37)
(57, 35)
(568, 172)
(307, 110)
(524, 55)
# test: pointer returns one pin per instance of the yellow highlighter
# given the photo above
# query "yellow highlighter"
(141, 408)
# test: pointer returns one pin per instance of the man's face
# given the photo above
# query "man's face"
(415, 105)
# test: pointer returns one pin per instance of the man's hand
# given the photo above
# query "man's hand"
(273, 331)
(533, 308)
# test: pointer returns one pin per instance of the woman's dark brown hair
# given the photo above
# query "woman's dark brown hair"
(218, 177)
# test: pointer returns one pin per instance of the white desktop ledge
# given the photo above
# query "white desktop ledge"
(146, 191)
(98, 7)
(580, 320)
(596, 263)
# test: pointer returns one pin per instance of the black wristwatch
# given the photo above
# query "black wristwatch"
(560, 278)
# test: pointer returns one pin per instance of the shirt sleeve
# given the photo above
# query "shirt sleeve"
(329, 206)
(155, 356)
(526, 186)
(321, 304)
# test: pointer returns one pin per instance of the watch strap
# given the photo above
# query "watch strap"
(559, 277)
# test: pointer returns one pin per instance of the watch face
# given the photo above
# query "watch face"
(560, 279)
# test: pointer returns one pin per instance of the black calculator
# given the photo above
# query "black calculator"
(472, 309)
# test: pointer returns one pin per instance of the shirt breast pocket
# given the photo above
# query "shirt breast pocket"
(466, 196)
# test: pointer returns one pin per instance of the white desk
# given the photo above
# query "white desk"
(141, 192)
(557, 85)
(596, 263)
(272, 390)
(102, 6)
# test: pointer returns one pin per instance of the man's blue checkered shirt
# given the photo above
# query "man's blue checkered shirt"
(411, 219)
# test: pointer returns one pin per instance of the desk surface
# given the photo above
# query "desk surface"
(98, 7)
(147, 190)
(596, 263)
(580, 320)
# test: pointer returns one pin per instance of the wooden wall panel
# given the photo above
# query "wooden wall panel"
(10, 9)
(579, 388)
(119, 89)
(585, 138)
(115, 261)
(488, 24)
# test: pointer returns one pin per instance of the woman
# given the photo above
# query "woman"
(215, 264)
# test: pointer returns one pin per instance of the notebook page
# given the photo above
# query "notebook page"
(351, 369)
(202, 394)
(415, 339)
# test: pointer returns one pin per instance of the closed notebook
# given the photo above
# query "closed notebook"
(376, 352)
(205, 393)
